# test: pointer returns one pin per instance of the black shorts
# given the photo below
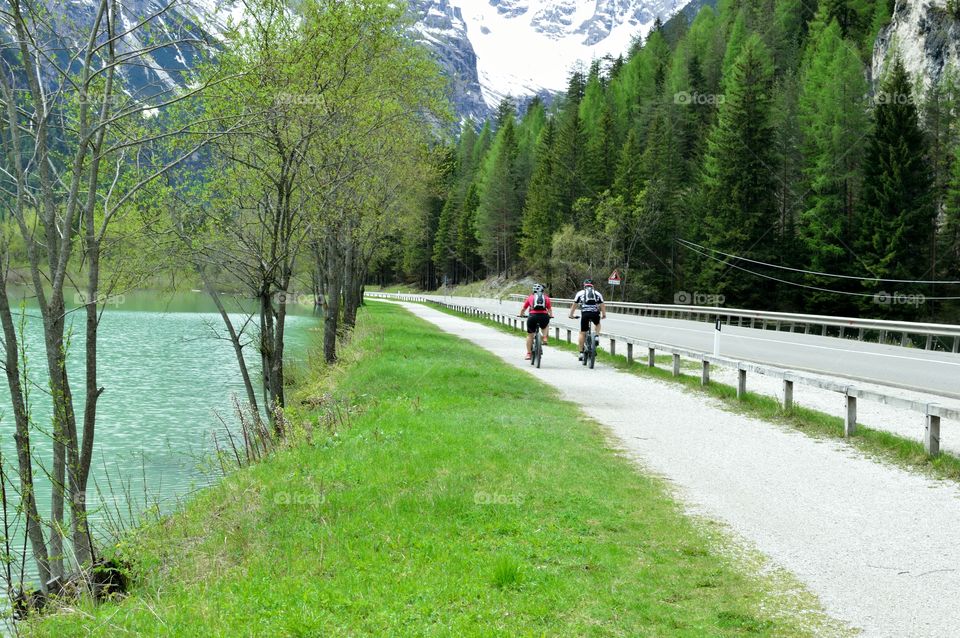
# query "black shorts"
(586, 318)
(537, 321)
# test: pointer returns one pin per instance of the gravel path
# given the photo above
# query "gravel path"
(877, 544)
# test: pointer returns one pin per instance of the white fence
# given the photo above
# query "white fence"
(947, 336)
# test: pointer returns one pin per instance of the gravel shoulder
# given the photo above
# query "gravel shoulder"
(874, 542)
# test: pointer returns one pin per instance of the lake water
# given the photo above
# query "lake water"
(165, 375)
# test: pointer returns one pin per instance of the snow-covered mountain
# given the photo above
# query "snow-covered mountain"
(527, 47)
(488, 48)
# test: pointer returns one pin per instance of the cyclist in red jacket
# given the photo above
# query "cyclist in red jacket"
(541, 311)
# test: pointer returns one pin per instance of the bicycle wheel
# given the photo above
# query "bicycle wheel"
(538, 348)
(593, 351)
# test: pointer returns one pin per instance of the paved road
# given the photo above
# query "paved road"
(876, 544)
(924, 371)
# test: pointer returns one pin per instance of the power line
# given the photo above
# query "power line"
(690, 244)
(817, 288)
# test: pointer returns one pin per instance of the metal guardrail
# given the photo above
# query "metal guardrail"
(932, 412)
(948, 333)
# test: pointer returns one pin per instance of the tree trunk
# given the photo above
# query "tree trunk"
(234, 341)
(21, 437)
(333, 271)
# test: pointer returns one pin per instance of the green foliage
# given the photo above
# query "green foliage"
(501, 200)
(739, 185)
(897, 223)
(835, 124)
(541, 213)
(746, 130)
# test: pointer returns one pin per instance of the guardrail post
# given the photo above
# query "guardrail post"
(651, 357)
(931, 435)
(630, 353)
(613, 346)
(569, 340)
(556, 332)
(705, 373)
(850, 421)
(676, 365)
(904, 338)
(929, 342)
(741, 382)
(956, 343)
(787, 394)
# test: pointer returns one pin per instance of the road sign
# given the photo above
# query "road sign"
(614, 279)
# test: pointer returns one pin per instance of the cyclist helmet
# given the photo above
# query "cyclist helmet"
(537, 288)
(587, 283)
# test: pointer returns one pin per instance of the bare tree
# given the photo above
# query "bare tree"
(78, 149)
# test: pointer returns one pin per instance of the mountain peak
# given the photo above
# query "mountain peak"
(528, 47)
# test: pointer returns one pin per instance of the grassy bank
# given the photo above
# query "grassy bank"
(879, 444)
(446, 494)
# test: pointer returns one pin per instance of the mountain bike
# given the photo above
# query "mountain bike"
(537, 350)
(590, 343)
(590, 347)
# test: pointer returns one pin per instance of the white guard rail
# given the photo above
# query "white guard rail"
(947, 335)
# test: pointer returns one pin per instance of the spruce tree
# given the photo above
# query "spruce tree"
(498, 215)
(569, 159)
(739, 180)
(897, 222)
(467, 244)
(541, 213)
(834, 130)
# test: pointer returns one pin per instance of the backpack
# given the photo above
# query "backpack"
(590, 296)
(539, 301)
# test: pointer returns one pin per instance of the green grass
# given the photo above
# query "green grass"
(879, 444)
(462, 498)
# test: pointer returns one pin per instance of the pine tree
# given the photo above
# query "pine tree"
(569, 159)
(600, 156)
(629, 175)
(498, 215)
(949, 244)
(444, 251)
(541, 213)
(739, 181)
(897, 222)
(467, 245)
(834, 125)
